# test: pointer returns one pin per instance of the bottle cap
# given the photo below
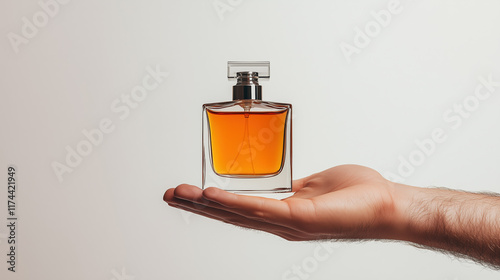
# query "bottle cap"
(261, 67)
(247, 86)
(247, 74)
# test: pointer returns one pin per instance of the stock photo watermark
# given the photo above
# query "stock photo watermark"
(310, 264)
(372, 29)
(454, 117)
(31, 26)
(222, 7)
(121, 107)
(12, 223)
(121, 275)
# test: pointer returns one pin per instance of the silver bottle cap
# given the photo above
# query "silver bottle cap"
(247, 86)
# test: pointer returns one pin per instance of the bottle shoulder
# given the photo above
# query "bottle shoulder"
(278, 104)
(240, 105)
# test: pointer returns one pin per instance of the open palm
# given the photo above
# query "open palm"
(347, 201)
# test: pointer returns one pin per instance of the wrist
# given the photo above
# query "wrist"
(421, 214)
(401, 224)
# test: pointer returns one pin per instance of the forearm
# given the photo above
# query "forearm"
(467, 224)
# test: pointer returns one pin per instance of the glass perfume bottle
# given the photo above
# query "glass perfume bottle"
(247, 142)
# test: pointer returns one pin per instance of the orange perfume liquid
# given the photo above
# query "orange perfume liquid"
(247, 143)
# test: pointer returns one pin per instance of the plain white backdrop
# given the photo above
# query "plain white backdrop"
(66, 68)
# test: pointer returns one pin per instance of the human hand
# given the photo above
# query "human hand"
(343, 202)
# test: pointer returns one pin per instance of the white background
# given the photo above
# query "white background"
(106, 219)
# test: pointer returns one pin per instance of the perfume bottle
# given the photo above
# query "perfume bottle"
(247, 142)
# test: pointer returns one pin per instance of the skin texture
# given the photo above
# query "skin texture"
(356, 202)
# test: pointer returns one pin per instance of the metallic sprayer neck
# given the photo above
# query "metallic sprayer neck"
(247, 86)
